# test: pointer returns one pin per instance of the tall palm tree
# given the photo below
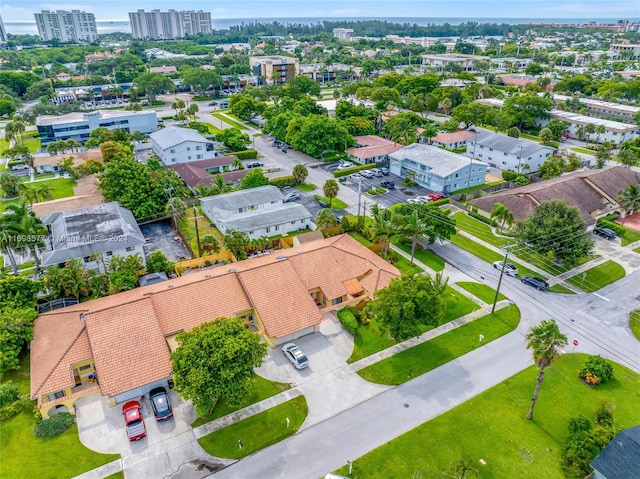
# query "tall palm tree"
(219, 186)
(410, 227)
(325, 218)
(300, 173)
(330, 189)
(599, 130)
(382, 228)
(630, 199)
(464, 467)
(8, 242)
(202, 190)
(446, 105)
(237, 164)
(22, 221)
(501, 214)
(545, 342)
(44, 192)
(210, 244)
(429, 133)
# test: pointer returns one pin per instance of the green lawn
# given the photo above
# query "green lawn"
(359, 238)
(372, 338)
(426, 257)
(487, 254)
(306, 187)
(558, 288)
(442, 349)
(637, 250)
(336, 203)
(229, 121)
(481, 291)
(577, 149)
(478, 229)
(257, 432)
(630, 236)
(403, 264)
(32, 140)
(60, 187)
(4, 204)
(60, 457)
(116, 475)
(598, 276)
(491, 427)
(634, 323)
(477, 187)
(259, 389)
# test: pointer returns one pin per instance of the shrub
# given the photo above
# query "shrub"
(54, 426)
(282, 181)
(482, 218)
(596, 371)
(13, 409)
(443, 201)
(353, 169)
(246, 154)
(508, 175)
(8, 393)
(349, 321)
(157, 262)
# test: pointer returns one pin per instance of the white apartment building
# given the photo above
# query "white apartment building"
(621, 49)
(602, 109)
(343, 33)
(3, 32)
(174, 145)
(422, 41)
(440, 61)
(169, 25)
(79, 125)
(66, 26)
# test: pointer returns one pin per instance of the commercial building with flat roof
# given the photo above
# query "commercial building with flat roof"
(275, 68)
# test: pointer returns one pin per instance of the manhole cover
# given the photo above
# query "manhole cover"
(406, 405)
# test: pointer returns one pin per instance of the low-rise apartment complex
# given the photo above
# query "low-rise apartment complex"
(173, 145)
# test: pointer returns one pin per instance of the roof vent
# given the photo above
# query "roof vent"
(282, 257)
(232, 270)
(82, 317)
(208, 276)
(170, 286)
(299, 251)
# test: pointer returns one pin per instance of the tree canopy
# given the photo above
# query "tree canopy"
(526, 109)
(315, 134)
(215, 361)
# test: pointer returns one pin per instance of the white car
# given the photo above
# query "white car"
(295, 355)
(367, 173)
(509, 269)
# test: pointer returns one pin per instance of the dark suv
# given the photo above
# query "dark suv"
(388, 185)
(160, 404)
(537, 283)
(605, 233)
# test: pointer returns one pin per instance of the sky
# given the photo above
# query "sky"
(22, 10)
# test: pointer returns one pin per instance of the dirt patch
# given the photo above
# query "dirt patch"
(631, 221)
(86, 193)
(79, 157)
(492, 178)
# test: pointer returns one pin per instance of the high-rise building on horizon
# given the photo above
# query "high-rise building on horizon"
(66, 26)
(169, 25)
(3, 32)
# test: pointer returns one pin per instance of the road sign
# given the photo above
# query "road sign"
(575, 342)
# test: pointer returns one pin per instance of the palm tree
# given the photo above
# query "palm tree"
(501, 214)
(219, 186)
(545, 342)
(464, 467)
(599, 130)
(630, 199)
(8, 242)
(22, 221)
(410, 227)
(44, 192)
(589, 129)
(202, 191)
(210, 244)
(330, 190)
(237, 164)
(325, 218)
(382, 228)
(446, 105)
(71, 144)
(193, 109)
(300, 173)
(429, 133)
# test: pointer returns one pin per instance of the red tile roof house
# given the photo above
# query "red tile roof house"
(120, 345)
(454, 140)
(203, 172)
(372, 149)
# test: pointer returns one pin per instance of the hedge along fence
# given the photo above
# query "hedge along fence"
(619, 230)
(282, 181)
(354, 169)
(245, 155)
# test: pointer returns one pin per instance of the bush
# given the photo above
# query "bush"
(246, 154)
(596, 371)
(482, 218)
(11, 410)
(443, 201)
(54, 426)
(349, 321)
(352, 170)
(157, 262)
(508, 175)
(282, 181)
(8, 393)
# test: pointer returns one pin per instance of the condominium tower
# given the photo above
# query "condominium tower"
(73, 26)
(157, 25)
(3, 32)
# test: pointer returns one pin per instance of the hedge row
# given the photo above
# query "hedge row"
(620, 230)
(443, 201)
(282, 181)
(246, 154)
(54, 426)
(483, 218)
(13, 409)
(348, 320)
(353, 169)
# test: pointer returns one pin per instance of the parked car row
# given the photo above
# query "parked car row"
(132, 411)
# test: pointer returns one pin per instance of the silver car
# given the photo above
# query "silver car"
(509, 269)
(295, 355)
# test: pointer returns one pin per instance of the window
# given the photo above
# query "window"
(337, 300)
(172, 150)
(59, 394)
(109, 253)
(457, 174)
(198, 148)
(130, 248)
(85, 367)
(276, 227)
(189, 156)
(268, 229)
(198, 157)
(188, 148)
(86, 259)
(173, 160)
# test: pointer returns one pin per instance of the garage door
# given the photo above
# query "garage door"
(141, 391)
(295, 335)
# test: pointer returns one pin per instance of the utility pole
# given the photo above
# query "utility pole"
(195, 222)
(504, 263)
(359, 197)
(473, 155)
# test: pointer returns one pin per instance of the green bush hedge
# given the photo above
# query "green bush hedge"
(8, 393)
(482, 218)
(353, 169)
(13, 409)
(54, 426)
(282, 181)
(349, 321)
(246, 154)
(620, 230)
(443, 201)
(508, 175)
(596, 371)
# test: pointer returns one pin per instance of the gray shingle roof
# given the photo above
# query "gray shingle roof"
(505, 143)
(621, 458)
(440, 162)
(261, 218)
(172, 136)
(243, 198)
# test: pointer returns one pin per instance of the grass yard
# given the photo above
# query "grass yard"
(306, 187)
(577, 149)
(336, 203)
(229, 121)
(257, 432)
(630, 236)
(359, 238)
(204, 228)
(598, 276)
(477, 187)
(637, 250)
(116, 475)
(481, 291)
(478, 229)
(259, 389)
(60, 187)
(511, 446)
(426, 257)
(442, 349)
(634, 323)
(32, 140)
(487, 254)
(558, 288)
(403, 264)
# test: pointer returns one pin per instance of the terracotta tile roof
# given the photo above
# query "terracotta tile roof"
(353, 287)
(125, 333)
(128, 347)
(194, 173)
(280, 298)
(455, 137)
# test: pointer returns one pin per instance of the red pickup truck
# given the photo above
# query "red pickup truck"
(134, 421)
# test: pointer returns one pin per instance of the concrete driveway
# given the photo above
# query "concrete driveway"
(170, 449)
(329, 384)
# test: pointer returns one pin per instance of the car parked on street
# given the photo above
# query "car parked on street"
(295, 355)
(424, 199)
(133, 421)
(323, 203)
(160, 404)
(390, 185)
(434, 196)
(509, 269)
(253, 164)
(606, 233)
(537, 283)
(291, 197)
